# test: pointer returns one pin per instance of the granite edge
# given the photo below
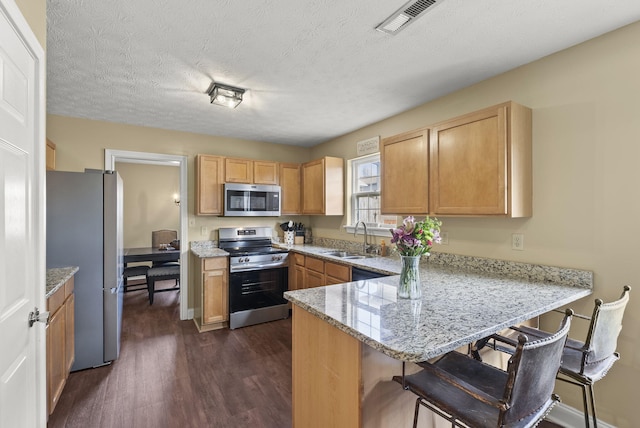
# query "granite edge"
(56, 277)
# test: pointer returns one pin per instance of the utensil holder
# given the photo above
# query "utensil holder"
(289, 237)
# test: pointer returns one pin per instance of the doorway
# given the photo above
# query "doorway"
(113, 156)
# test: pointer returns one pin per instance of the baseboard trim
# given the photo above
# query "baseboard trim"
(568, 416)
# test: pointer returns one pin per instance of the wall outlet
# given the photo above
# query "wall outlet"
(445, 238)
(192, 222)
(204, 231)
(517, 241)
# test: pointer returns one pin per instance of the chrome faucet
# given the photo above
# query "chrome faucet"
(365, 244)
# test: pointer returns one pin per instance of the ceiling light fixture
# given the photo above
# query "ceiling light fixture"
(225, 95)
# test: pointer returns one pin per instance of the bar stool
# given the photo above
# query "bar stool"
(585, 363)
(162, 273)
(133, 271)
(466, 391)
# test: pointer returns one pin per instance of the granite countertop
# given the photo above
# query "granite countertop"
(464, 299)
(56, 277)
(207, 249)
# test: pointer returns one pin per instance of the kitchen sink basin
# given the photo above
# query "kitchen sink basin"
(347, 255)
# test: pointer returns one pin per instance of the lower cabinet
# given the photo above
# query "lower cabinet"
(310, 272)
(211, 293)
(60, 341)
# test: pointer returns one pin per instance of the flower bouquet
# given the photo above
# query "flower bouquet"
(414, 239)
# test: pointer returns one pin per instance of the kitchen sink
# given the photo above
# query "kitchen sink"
(347, 255)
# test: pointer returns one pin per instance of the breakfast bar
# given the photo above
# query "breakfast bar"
(350, 339)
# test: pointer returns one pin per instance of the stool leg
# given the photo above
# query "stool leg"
(151, 286)
(415, 414)
(593, 406)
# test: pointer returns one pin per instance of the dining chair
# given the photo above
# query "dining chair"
(133, 271)
(163, 236)
(466, 391)
(585, 363)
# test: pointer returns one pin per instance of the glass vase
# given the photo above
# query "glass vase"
(409, 286)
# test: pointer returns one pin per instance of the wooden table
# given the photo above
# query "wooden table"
(150, 254)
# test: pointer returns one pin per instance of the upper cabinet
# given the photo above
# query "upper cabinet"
(405, 165)
(290, 183)
(478, 164)
(209, 181)
(250, 172)
(323, 186)
(481, 163)
(238, 170)
(265, 172)
(51, 155)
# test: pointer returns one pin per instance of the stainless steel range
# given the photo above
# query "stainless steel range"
(258, 276)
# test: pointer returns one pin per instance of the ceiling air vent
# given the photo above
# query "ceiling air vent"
(408, 13)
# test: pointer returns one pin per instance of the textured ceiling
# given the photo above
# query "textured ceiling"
(313, 70)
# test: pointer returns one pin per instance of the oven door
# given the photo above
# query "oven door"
(257, 289)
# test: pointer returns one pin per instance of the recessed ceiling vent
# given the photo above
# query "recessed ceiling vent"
(408, 13)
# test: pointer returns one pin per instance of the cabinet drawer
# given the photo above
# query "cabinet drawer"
(314, 264)
(55, 300)
(338, 271)
(298, 259)
(213, 263)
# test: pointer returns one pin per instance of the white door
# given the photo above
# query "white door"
(22, 272)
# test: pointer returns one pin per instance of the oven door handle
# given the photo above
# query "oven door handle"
(256, 267)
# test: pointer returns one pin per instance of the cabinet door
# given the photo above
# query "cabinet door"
(290, 182)
(56, 362)
(313, 192)
(405, 173)
(238, 170)
(313, 279)
(323, 186)
(209, 181)
(215, 305)
(469, 164)
(337, 273)
(69, 338)
(299, 278)
(265, 172)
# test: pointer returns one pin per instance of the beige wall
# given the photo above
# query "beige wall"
(34, 12)
(585, 151)
(80, 144)
(148, 201)
(586, 123)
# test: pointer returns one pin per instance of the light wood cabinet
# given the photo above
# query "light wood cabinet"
(51, 156)
(211, 293)
(265, 172)
(238, 170)
(336, 273)
(290, 183)
(296, 271)
(405, 165)
(323, 187)
(481, 163)
(209, 182)
(60, 339)
(317, 272)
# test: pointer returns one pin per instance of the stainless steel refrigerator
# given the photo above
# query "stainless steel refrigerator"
(84, 229)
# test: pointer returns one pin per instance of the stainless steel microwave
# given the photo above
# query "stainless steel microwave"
(251, 200)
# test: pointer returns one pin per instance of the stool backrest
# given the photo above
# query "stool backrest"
(606, 323)
(164, 236)
(532, 372)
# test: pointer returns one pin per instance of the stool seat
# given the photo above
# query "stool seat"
(132, 271)
(162, 273)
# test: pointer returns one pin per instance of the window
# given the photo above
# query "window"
(365, 196)
(365, 191)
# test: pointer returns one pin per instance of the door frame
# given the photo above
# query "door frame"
(113, 156)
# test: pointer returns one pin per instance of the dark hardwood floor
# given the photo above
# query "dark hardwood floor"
(169, 375)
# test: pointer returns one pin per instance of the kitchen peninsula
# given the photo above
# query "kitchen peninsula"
(350, 339)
